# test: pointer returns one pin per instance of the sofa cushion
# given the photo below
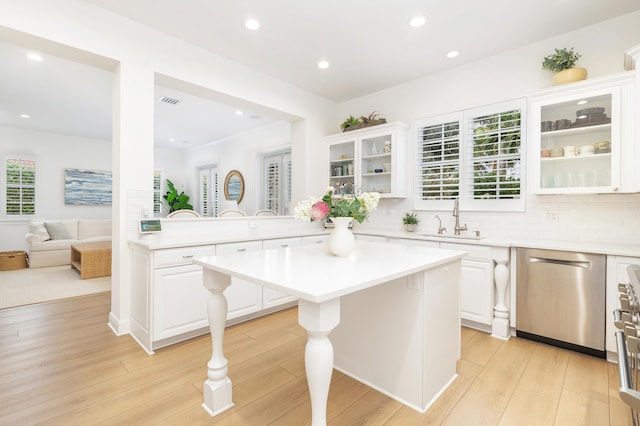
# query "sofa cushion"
(53, 245)
(57, 230)
(37, 228)
(95, 230)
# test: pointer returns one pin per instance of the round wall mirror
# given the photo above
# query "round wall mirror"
(234, 186)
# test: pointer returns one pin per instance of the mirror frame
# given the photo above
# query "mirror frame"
(227, 181)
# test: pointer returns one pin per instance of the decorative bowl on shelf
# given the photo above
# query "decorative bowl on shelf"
(378, 170)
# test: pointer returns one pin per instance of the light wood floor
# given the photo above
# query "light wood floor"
(61, 365)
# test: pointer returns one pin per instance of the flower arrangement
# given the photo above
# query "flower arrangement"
(358, 207)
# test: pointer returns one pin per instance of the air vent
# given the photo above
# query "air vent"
(170, 101)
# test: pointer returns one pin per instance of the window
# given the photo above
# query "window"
(277, 179)
(474, 155)
(20, 186)
(208, 187)
(157, 192)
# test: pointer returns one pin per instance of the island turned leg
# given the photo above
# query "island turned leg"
(217, 387)
(319, 319)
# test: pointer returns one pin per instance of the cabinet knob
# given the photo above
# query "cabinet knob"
(284, 245)
(615, 189)
(187, 256)
(241, 249)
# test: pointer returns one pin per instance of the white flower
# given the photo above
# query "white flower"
(369, 201)
(303, 209)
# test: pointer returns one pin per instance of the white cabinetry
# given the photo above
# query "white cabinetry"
(243, 297)
(476, 284)
(270, 297)
(616, 274)
(168, 301)
(480, 306)
(370, 159)
(581, 137)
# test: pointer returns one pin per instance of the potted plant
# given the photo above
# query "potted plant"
(176, 201)
(353, 123)
(562, 64)
(410, 220)
(349, 123)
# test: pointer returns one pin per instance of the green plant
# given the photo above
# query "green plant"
(560, 60)
(176, 201)
(374, 116)
(410, 219)
(351, 121)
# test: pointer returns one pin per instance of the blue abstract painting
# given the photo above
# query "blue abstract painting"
(87, 187)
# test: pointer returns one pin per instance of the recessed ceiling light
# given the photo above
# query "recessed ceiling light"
(34, 57)
(172, 140)
(25, 116)
(323, 65)
(239, 112)
(582, 102)
(452, 54)
(418, 21)
(252, 24)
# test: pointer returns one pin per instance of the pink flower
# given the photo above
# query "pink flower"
(319, 210)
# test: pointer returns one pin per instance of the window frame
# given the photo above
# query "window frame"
(5, 186)
(466, 159)
(283, 159)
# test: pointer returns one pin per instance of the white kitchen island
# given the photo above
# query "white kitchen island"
(394, 308)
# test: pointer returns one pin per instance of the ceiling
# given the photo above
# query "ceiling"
(368, 43)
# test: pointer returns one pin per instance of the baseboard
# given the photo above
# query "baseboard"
(119, 328)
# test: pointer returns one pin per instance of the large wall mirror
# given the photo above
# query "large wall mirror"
(234, 186)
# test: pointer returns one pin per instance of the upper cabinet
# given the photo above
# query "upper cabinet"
(581, 137)
(370, 159)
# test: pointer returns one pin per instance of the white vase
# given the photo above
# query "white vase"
(341, 240)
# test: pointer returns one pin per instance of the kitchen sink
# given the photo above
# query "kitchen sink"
(454, 237)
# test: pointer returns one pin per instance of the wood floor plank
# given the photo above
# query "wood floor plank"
(535, 398)
(63, 365)
(485, 400)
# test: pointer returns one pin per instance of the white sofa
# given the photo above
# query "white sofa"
(50, 240)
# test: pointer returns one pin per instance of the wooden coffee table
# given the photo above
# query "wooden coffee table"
(92, 259)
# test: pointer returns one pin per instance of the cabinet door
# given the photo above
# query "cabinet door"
(243, 297)
(342, 166)
(476, 291)
(315, 239)
(577, 138)
(270, 297)
(371, 238)
(369, 160)
(180, 301)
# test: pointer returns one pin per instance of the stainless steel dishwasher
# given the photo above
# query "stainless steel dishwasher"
(560, 299)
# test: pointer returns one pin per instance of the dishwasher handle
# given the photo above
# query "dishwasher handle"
(576, 263)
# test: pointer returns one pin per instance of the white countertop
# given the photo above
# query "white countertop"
(163, 242)
(311, 273)
(615, 249)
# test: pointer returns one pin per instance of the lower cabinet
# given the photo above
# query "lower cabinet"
(178, 301)
(477, 295)
(243, 297)
(270, 297)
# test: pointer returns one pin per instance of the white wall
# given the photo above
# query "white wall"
(612, 218)
(54, 153)
(240, 152)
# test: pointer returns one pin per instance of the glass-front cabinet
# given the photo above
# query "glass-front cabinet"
(369, 160)
(577, 137)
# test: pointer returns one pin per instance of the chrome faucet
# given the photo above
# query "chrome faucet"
(456, 214)
(441, 229)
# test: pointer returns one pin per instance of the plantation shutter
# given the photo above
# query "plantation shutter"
(157, 191)
(272, 182)
(286, 160)
(208, 183)
(438, 161)
(493, 169)
(20, 188)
